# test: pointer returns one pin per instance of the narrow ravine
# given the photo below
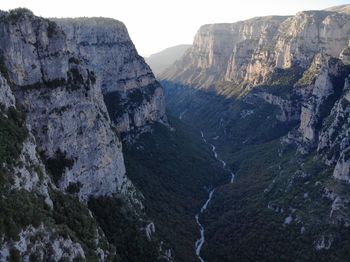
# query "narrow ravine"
(199, 243)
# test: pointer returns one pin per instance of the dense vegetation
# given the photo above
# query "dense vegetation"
(122, 228)
(269, 190)
(277, 209)
(69, 217)
(173, 169)
(12, 135)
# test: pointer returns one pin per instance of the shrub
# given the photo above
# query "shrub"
(52, 29)
(12, 135)
(17, 14)
(120, 226)
(57, 165)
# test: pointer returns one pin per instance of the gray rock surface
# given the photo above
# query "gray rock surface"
(64, 103)
(110, 53)
(61, 90)
(248, 52)
(7, 99)
(44, 239)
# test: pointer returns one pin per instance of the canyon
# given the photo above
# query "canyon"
(270, 93)
(237, 151)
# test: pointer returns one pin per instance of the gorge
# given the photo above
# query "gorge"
(270, 95)
(237, 151)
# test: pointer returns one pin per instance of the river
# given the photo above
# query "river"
(199, 243)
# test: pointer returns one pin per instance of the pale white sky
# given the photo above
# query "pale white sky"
(157, 24)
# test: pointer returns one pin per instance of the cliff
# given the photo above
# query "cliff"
(307, 55)
(249, 52)
(133, 96)
(60, 152)
(272, 95)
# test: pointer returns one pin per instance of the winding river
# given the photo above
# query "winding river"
(199, 243)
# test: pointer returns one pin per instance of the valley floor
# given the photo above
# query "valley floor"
(281, 206)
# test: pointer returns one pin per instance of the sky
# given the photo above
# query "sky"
(154, 25)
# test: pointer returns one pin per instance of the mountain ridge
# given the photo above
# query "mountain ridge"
(163, 59)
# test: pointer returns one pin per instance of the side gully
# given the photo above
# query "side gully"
(199, 243)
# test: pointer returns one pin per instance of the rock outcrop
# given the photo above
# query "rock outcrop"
(273, 93)
(59, 148)
(133, 96)
(316, 98)
(308, 53)
(249, 52)
(64, 106)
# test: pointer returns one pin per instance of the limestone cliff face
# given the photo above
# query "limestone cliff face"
(59, 148)
(133, 96)
(307, 54)
(317, 98)
(64, 105)
(248, 52)
(221, 51)
(334, 141)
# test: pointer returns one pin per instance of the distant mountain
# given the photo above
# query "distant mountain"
(340, 8)
(163, 59)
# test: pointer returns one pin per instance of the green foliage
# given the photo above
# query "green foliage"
(136, 97)
(57, 165)
(73, 60)
(75, 220)
(12, 135)
(309, 76)
(3, 68)
(285, 77)
(120, 225)
(15, 15)
(19, 209)
(114, 105)
(172, 170)
(52, 29)
(241, 209)
(68, 218)
(74, 188)
(241, 223)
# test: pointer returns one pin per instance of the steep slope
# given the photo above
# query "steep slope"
(61, 158)
(251, 52)
(54, 87)
(272, 96)
(175, 171)
(132, 95)
(163, 59)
